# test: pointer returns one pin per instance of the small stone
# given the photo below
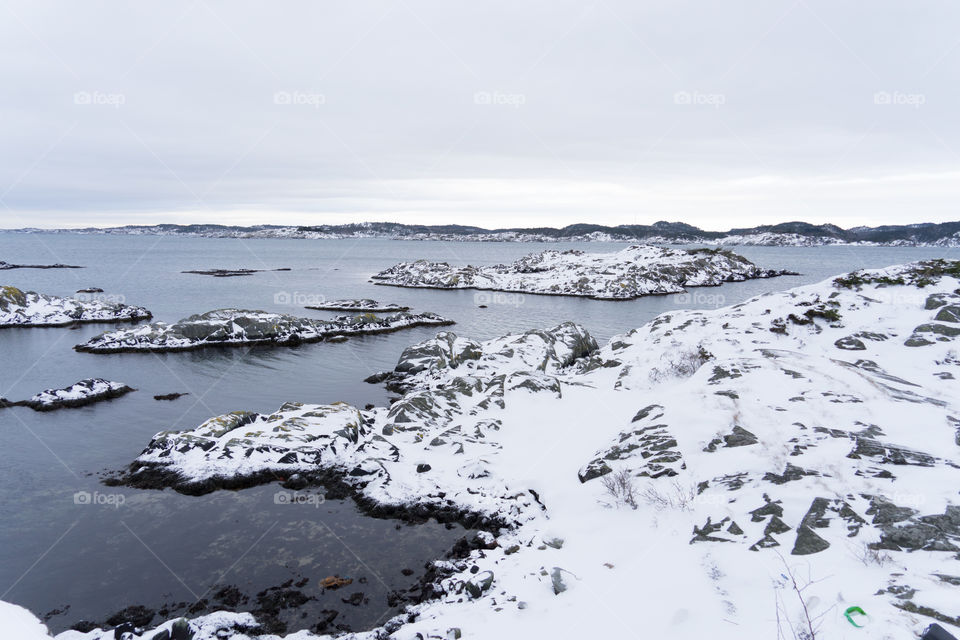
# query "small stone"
(423, 468)
(480, 583)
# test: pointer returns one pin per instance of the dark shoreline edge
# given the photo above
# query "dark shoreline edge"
(359, 309)
(292, 341)
(71, 323)
(332, 479)
(153, 476)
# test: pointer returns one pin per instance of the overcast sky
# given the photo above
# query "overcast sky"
(494, 113)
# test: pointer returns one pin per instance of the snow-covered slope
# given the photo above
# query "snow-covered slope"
(17, 623)
(237, 327)
(30, 309)
(630, 273)
(751, 472)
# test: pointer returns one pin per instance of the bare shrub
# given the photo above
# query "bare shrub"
(807, 627)
(680, 363)
(870, 556)
(620, 487)
(675, 498)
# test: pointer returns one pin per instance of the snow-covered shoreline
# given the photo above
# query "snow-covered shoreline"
(678, 479)
(633, 272)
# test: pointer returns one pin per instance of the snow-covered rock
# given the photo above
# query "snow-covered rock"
(237, 327)
(30, 309)
(630, 273)
(79, 394)
(364, 304)
(721, 474)
(19, 624)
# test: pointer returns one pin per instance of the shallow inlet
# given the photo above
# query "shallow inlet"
(264, 548)
(54, 552)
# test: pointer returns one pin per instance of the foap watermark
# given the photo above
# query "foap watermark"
(700, 298)
(698, 98)
(895, 297)
(99, 98)
(899, 98)
(313, 99)
(486, 298)
(905, 499)
(100, 296)
(292, 497)
(500, 99)
(98, 499)
(298, 298)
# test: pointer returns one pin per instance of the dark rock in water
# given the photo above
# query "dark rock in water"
(90, 290)
(296, 482)
(84, 626)
(377, 378)
(229, 273)
(230, 596)
(170, 396)
(355, 599)
(6, 265)
(136, 615)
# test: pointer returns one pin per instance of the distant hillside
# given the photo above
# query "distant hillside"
(787, 233)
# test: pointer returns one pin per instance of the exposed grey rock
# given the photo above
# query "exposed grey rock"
(949, 313)
(738, 437)
(479, 584)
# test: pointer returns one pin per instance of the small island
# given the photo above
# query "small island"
(365, 304)
(636, 271)
(79, 394)
(239, 327)
(31, 309)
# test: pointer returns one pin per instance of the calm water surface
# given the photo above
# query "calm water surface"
(158, 547)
